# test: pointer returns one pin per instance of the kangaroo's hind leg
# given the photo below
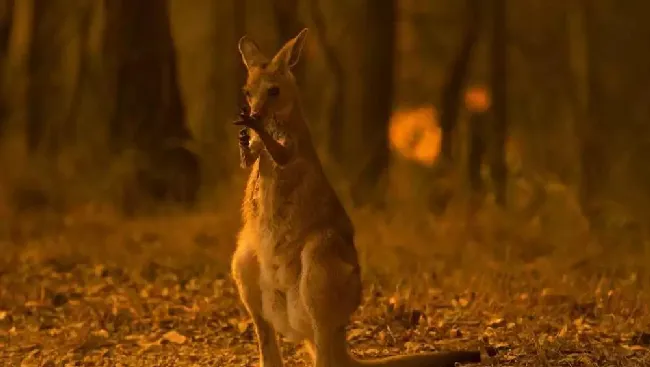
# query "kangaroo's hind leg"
(330, 289)
(246, 272)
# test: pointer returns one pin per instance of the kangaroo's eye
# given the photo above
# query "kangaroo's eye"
(273, 91)
(247, 93)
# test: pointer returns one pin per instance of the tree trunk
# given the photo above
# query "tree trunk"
(443, 185)
(289, 24)
(453, 88)
(378, 69)
(239, 7)
(593, 158)
(579, 70)
(149, 109)
(80, 90)
(337, 105)
(47, 86)
(149, 114)
(477, 122)
(91, 102)
(498, 167)
(6, 17)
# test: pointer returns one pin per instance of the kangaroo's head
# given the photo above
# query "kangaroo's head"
(270, 88)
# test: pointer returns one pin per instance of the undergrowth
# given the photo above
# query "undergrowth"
(532, 288)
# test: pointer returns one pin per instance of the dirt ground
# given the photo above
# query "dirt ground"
(153, 294)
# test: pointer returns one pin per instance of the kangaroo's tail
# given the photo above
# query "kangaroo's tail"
(441, 359)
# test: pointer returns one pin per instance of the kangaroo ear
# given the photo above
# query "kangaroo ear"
(250, 53)
(289, 54)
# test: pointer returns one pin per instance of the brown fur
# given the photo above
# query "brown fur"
(296, 265)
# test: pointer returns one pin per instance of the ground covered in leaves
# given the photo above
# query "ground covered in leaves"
(140, 308)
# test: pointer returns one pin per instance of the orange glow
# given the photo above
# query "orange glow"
(415, 134)
(477, 99)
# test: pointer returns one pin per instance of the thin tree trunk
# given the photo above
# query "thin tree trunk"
(289, 24)
(478, 120)
(92, 100)
(46, 91)
(79, 91)
(14, 80)
(337, 105)
(578, 68)
(453, 88)
(498, 167)
(239, 7)
(593, 160)
(6, 20)
(442, 188)
(377, 100)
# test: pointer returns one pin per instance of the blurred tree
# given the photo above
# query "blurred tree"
(149, 114)
(6, 17)
(210, 75)
(239, 20)
(337, 111)
(377, 100)
(450, 104)
(289, 24)
(81, 89)
(595, 162)
(477, 102)
(578, 43)
(453, 87)
(47, 86)
(614, 130)
(498, 168)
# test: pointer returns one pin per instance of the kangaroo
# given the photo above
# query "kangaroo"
(295, 265)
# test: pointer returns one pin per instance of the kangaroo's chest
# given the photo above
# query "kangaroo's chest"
(279, 191)
(271, 199)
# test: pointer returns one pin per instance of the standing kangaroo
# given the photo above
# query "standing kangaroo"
(296, 265)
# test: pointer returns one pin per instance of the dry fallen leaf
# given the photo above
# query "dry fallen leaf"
(243, 326)
(461, 302)
(149, 346)
(551, 296)
(174, 337)
(635, 347)
(355, 333)
(496, 323)
(455, 333)
(94, 341)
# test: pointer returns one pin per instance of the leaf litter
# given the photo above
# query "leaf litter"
(84, 313)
